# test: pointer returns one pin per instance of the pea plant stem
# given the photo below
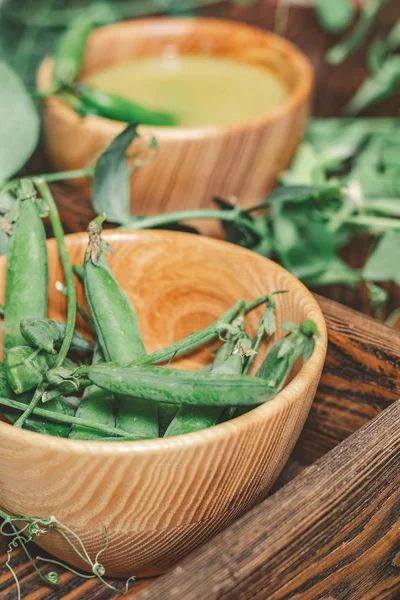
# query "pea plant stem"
(28, 410)
(372, 221)
(67, 268)
(57, 176)
(184, 215)
(65, 175)
(61, 418)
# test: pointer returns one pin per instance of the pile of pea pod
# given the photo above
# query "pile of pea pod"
(55, 381)
(85, 99)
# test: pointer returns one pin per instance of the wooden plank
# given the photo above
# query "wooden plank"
(360, 379)
(333, 532)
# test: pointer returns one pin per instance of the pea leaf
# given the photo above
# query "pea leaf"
(378, 87)
(19, 127)
(384, 262)
(349, 44)
(111, 180)
(239, 231)
(334, 16)
(303, 166)
(302, 193)
(269, 322)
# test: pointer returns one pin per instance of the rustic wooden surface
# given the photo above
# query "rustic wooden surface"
(332, 532)
(159, 499)
(360, 379)
(369, 354)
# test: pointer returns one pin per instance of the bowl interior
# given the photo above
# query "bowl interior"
(121, 42)
(180, 283)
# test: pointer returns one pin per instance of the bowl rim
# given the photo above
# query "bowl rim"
(293, 391)
(295, 97)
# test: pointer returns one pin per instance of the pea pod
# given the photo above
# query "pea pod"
(97, 406)
(187, 344)
(26, 279)
(176, 386)
(34, 423)
(117, 108)
(70, 51)
(48, 335)
(26, 368)
(58, 417)
(228, 360)
(193, 418)
(117, 329)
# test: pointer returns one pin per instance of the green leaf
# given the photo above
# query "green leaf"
(365, 24)
(383, 264)
(308, 348)
(336, 15)
(111, 180)
(239, 231)
(19, 128)
(269, 321)
(378, 87)
(303, 166)
(377, 295)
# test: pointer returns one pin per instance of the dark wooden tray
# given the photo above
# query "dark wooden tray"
(330, 528)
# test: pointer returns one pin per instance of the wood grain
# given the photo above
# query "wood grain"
(333, 532)
(361, 377)
(161, 498)
(193, 164)
(317, 425)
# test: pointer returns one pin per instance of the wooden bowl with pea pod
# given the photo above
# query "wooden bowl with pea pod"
(202, 155)
(159, 499)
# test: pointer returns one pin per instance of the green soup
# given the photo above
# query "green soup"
(198, 90)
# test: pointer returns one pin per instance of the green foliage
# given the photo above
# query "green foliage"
(111, 180)
(334, 16)
(19, 127)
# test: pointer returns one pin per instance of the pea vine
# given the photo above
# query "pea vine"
(20, 531)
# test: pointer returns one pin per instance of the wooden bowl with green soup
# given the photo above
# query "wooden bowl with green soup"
(240, 97)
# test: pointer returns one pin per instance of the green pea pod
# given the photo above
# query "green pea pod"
(176, 386)
(26, 368)
(48, 335)
(117, 108)
(187, 344)
(117, 330)
(70, 51)
(97, 406)
(166, 413)
(195, 418)
(26, 279)
(35, 423)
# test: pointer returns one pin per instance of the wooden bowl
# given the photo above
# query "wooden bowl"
(194, 164)
(159, 499)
